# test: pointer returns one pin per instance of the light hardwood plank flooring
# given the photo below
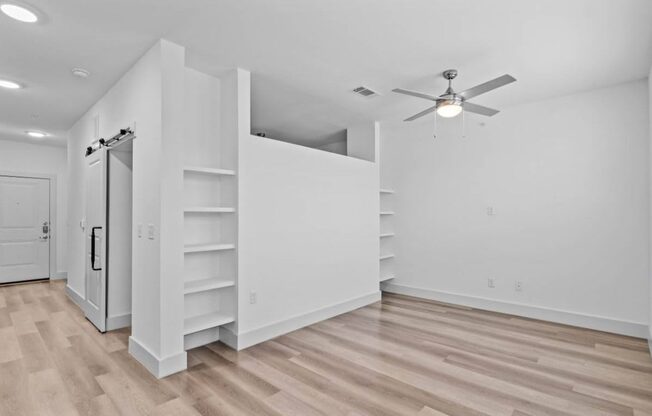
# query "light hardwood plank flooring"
(401, 356)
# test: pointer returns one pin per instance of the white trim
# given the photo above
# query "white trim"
(158, 367)
(112, 322)
(197, 339)
(118, 321)
(59, 276)
(278, 328)
(600, 323)
(52, 178)
(76, 297)
(228, 337)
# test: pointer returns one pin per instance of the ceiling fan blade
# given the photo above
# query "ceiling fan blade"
(479, 109)
(423, 113)
(416, 94)
(487, 86)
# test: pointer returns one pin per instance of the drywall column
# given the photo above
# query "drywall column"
(157, 313)
(235, 126)
(649, 106)
(362, 141)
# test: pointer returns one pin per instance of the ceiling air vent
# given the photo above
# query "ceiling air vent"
(365, 92)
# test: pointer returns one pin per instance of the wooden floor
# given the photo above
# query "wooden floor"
(403, 356)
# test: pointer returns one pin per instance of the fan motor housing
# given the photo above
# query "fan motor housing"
(450, 74)
(452, 99)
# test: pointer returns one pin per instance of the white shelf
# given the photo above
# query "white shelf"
(386, 278)
(197, 248)
(202, 322)
(204, 285)
(386, 191)
(209, 171)
(386, 256)
(386, 212)
(387, 235)
(209, 209)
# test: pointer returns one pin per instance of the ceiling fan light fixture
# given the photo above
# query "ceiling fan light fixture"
(450, 103)
(449, 109)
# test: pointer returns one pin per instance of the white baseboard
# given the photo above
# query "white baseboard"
(118, 321)
(59, 276)
(228, 337)
(200, 338)
(112, 322)
(273, 330)
(601, 323)
(76, 297)
(158, 367)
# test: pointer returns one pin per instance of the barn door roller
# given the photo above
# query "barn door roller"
(125, 134)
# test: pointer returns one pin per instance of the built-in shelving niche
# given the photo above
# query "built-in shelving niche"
(210, 208)
(387, 235)
(210, 273)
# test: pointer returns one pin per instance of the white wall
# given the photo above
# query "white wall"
(133, 98)
(27, 158)
(338, 147)
(649, 85)
(150, 97)
(308, 236)
(568, 181)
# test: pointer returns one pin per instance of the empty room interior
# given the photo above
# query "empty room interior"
(336, 208)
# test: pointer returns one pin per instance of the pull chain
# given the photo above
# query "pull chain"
(434, 127)
(463, 125)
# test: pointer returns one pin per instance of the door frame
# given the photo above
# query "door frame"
(53, 273)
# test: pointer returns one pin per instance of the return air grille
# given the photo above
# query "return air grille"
(365, 92)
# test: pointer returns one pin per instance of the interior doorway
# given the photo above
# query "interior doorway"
(24, 228)
(108, 227)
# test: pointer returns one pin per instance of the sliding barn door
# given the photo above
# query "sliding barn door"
(95, 294)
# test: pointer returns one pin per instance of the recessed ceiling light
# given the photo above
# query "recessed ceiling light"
(80, 72)
(9, 84)
(20, 13)
(37, 134)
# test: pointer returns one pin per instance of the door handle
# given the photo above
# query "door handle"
(46, 227)
(93, 248)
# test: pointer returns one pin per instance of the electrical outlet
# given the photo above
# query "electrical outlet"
(518, 286)
(491, 283)
(491, 211)
(252, 297)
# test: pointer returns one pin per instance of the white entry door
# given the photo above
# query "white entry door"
(95, 293)
(24, 229)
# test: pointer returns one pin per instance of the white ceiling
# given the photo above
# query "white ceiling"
(307, 55)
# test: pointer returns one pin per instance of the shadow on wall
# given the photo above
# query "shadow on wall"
(283, 112)
(335, 143)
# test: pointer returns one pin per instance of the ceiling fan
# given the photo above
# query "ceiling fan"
(451, 103)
